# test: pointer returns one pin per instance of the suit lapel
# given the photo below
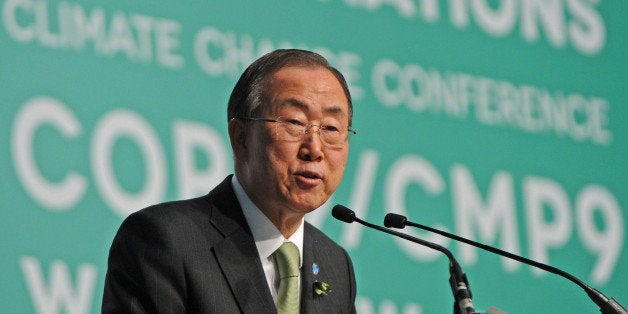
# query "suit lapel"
(240, 264)
(308, 302)
(237, 253)
(322, 262)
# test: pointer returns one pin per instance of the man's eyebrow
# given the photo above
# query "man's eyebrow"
(292, 102)
(337, 110)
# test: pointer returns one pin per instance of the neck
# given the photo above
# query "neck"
(285, 220)
(287, 224)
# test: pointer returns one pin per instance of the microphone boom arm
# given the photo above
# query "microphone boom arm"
(607, 306)
(458, 280)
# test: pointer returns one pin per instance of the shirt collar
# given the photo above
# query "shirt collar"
(267, 237)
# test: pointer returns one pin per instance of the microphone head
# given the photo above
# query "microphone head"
(343, 214)
(395, 221)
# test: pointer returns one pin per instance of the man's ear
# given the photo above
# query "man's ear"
(237, 137)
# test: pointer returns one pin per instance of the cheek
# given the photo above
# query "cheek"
(278, 159)
(266, 155)
(337, 165)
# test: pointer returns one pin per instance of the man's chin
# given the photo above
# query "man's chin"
(308, 205)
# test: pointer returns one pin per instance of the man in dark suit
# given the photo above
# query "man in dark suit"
(289, 116)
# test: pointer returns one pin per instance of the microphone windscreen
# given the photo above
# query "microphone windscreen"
(343, 214)
(395, 221)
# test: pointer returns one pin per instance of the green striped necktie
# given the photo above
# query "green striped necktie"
(287, 258)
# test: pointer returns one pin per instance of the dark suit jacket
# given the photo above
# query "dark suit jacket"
(199, 256)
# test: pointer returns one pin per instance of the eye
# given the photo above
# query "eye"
(332, 125)
(292, 121)
(330, 128)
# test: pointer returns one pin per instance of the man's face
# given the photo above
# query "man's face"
(295, 176)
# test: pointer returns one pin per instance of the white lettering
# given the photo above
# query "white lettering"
(587, 30)
(528, 108)
(361, 196)
(543, 196)
(383, 72)
(114, 125)
(498, 214)
(166, 32)
(407, 170)
(606, 242)
(217, 53)
(10, 11)
(68, 25)
(91, 28)
(36, 113)
(190, 138)
(495, 22)
(577, 22)
(59, 294)
(552, 19)
(348, 64)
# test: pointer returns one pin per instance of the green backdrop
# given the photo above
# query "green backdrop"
(501, 121)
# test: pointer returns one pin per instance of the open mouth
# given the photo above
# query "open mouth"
(309, 175)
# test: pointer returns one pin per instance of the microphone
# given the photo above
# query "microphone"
(607, 306)
(457, 280)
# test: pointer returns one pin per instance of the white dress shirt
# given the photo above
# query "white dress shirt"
(267, 238)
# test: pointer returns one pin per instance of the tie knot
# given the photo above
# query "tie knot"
(287, 257)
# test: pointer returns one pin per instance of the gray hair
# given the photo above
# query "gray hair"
(249, 95)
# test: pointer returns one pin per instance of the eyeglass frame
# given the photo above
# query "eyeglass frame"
(307, 129)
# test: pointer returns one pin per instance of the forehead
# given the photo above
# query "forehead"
(314, 89)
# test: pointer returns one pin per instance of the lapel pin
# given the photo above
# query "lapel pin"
(315, 269)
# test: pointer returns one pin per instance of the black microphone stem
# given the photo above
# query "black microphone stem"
(458, 280)
(607, 306)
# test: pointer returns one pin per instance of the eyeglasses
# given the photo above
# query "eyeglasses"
(331, 132)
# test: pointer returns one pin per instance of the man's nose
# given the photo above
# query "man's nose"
(312, 145)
